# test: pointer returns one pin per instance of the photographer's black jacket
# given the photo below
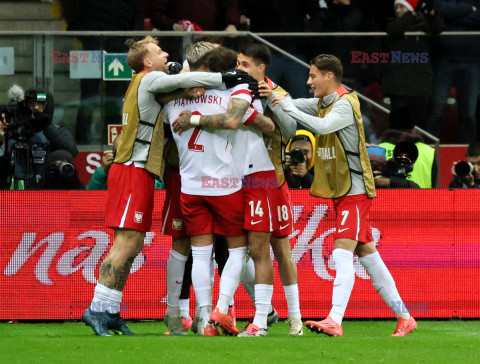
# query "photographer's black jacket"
(398, 182)
(457, 182)
(297, 182)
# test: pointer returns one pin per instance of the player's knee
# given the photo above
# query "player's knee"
(258, 253)
(181, 245)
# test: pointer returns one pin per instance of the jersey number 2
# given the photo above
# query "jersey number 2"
(193, 139)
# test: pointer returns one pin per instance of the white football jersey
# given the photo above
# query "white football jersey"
(206, 161)
(249, 151)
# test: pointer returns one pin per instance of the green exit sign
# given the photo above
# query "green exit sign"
(115, 67)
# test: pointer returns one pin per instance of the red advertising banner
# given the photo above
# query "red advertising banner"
(52, 244)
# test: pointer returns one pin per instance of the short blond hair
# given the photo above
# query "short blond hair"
(195, 51)
(137, 53)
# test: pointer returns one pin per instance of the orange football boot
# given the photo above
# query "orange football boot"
(224, 321)
(327, 326)
(405, 326)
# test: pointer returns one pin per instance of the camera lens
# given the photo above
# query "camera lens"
(66, 169)
(297, 156)
(463, 169)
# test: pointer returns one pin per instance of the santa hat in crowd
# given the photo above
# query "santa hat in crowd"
(409, 4)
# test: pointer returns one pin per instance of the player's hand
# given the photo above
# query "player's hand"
(234, 77)
(277, 99)
(183, 122)
(264, 89)
(300, 169)
(107, 160)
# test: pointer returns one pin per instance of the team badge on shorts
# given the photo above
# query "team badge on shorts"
(138, 217)
(177, 224)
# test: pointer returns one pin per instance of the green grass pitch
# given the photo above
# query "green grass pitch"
(363, 341)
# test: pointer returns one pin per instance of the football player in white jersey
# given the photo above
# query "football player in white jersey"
(259, 183)
(212, 200)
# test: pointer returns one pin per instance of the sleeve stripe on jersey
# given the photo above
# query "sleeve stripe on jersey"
(250, 119)
(242, 92)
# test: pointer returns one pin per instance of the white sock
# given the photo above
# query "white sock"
(175, 270)
(231, 275)
(343, 283)
(293, 301)
(248, 279)
(201, 277)
(106, 299)
(383, 282)
(184, 307)
(263, 300)
(212, 270)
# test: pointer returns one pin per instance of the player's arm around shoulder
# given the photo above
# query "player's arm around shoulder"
(258, 120)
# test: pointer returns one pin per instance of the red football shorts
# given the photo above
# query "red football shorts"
(173, 221)
(221, 215)
(130, 198)
(260, 198)
(353, 218)
(283, 211)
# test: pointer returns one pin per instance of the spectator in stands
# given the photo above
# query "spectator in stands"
(299, 160)
(283, 16)
(458, 63)
(60, 173)
(425, 169)
(408, 85)
(191, 15)
(101, 15)
(469, 178)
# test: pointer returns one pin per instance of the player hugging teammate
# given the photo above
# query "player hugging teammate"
(224, 151)
(225, 178)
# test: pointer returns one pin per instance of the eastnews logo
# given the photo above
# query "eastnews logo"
(409, 307)
(246, 182)
(77, 57)
(392, 57)
(98, 306)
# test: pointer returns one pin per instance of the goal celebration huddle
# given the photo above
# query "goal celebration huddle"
(216, 134)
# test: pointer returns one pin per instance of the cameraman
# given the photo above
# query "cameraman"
(32, 126)
(467, 174)
(393, 173)
(299, 160)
